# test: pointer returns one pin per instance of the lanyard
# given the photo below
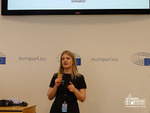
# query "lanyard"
(64, 90)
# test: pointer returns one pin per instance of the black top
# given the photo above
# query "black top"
(63, 94)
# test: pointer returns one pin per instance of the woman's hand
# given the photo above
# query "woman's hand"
(71, 87)
(58, 81)
(80, 94)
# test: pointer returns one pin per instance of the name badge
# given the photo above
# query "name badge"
(64, 107)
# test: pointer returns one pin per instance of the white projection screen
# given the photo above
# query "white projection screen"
(45, 7)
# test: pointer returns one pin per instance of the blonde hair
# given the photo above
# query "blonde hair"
(75, 72)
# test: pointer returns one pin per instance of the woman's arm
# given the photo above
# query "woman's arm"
(80, 94)
(52, 91)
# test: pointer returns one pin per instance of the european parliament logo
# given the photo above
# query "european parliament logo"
(2, 59)
(147, 61)
(78, 59)
(141, 58)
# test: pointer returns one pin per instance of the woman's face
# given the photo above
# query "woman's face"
(67, 61)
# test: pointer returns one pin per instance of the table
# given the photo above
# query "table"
(18, 109)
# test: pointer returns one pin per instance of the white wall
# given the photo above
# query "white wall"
(90, 36)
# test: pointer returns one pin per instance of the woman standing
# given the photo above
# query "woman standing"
(67, 86)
